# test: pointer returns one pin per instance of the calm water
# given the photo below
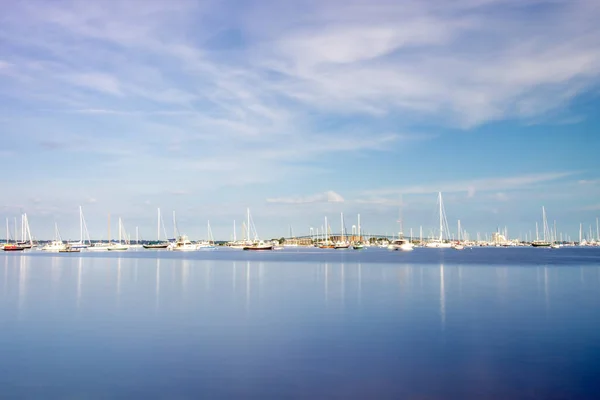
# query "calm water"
(478, 324)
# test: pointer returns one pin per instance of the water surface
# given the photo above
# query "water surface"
(481, 323)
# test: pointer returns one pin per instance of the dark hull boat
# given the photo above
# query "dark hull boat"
(156, 246)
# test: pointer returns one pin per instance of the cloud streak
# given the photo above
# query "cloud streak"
(326, 197)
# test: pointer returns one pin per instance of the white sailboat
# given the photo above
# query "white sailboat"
(57, 244)
(209, 243)
(401, 243)
(26, 240)
(342, 243)
(439, 242)
(120, 246)
(84, 236)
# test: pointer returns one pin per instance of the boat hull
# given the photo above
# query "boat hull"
(13, 248)
(258, 248)
(155, 246)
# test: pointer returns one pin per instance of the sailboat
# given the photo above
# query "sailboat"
(401, 243)
(158, 244)
(208, 244)
(81, 244)
(358, 245)
(25, 233)
(182, 242)
(544, 242)
(326, 243)
(57, 244)
(8, 246)
(439, 242)
(120, 246)
(341, 244)
(257, 244)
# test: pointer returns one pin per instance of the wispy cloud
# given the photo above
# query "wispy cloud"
(327, 197)
(471, 187)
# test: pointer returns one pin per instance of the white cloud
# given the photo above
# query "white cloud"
(97, 81)
(476, 185)
(326, 197)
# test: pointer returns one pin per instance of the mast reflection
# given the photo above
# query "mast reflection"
(442, 298)
(157, 290)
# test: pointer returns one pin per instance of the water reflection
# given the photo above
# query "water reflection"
(79, 271)
(442, 298)
(546, 294)
(157, 289)
(326, 283)
(343, 278)
(23, 271)
(234, 276)
(359, 284)
(185, 272)
(118, 280)
(247, 286)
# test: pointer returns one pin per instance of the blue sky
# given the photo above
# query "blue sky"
(300, 110)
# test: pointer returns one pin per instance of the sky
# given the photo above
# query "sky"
(299, 111)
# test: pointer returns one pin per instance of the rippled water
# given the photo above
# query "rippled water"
(373, 324)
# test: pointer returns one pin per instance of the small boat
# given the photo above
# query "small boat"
(555, 246)
(341, 245)
(458, 246)
(99, 246)
(183, 243)
(156, 245)
(118, 247)
(358, 246)
(541, 243)
(57, 244)
(12, 247)
(260, 245)
(69, 249)
(401, 244)
(326, 245)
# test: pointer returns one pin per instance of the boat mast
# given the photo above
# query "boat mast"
(580, 228)
(401, 233)
(109, 228)
(537, 237)
(459, 230)
(7, 232)
(234, 238)
(359, 231)
(80, 225)
(248, 227)
(158, 227)
(119, 230)
(342, 222)
(174, 226)
(326, 232)
(441, 220)
(544, 222)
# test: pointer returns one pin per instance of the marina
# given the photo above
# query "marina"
(321, 238)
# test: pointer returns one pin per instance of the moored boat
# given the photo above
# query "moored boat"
(260, 245)
(12, 247)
